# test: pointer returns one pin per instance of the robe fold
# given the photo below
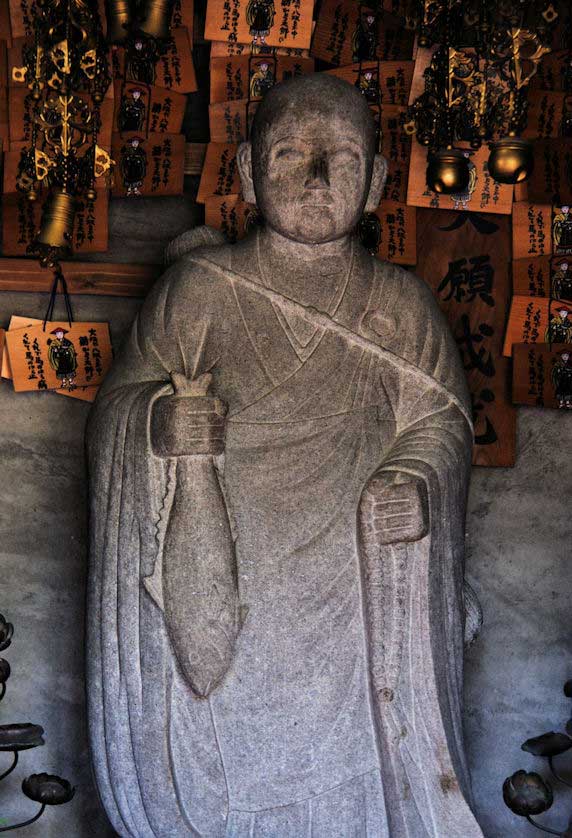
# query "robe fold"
(329, 713)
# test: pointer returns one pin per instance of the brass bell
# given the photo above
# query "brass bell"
(118, 20)
(57, 221)
(447, 171)
(511, 160)
(156, 18)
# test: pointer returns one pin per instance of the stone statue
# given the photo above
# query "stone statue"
(279, 463)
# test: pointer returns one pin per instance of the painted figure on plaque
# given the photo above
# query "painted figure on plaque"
(62, 357)
(559, 329)
(261, 80)
(279, 463)
(365, 38)
(131, 116)
(260, 18)
(562, 230)
(562, 379)
(133, 165)
(562, 282)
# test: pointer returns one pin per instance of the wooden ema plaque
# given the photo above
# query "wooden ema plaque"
(388, 82)
(396, 148)
(541, 229)
(245, 76)
(276, 23)
(542, 375)
(174, 70)
(538, 320)
(222, 49)
(482, 195)
(220, 172)
(464, 258)
(153, 165)
(43, 359)
(147, 110)
(549, 114)
(183, 16)
(554, 72)
(397, 232)
(83, 393)
(551, 178)
(543, 276)
(229, 214)
(230, 122)
(347, 32)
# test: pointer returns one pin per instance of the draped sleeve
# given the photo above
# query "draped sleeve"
(149, 781)
(416, 651)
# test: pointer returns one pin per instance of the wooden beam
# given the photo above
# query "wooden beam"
(101, 278)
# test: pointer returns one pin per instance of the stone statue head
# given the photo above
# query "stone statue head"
(311, 164)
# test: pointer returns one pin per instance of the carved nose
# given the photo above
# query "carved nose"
(318, 175)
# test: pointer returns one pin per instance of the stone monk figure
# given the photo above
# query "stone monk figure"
(279, 464)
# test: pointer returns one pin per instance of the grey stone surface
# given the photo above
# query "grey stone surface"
(275, 618)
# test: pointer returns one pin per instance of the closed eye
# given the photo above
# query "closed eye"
(290, 155)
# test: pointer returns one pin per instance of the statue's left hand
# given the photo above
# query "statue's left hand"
(395, 507)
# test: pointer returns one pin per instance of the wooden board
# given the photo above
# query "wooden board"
(538, 320)
(230, 122)
(159, 168)
(542, 375)
(220, 172)
(336, 34)
(229, 214)
(483, 195)
(543, 276)
(289, 22)
(98, 278)
(465, 261)
(231, 76)
(221, 49)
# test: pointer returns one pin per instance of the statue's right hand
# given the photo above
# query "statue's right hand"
(189, 422)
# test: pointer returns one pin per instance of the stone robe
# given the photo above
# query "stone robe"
(299, 739)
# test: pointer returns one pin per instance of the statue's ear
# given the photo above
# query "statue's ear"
(378, 179)
(244, 160)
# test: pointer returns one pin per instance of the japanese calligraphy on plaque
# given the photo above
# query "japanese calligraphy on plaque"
(147, 110)
(230, 122)
(62, 355)
(538, 320)
(395, 234)
(348, 32)
(531, 230)
(543, 276)
(386, 82)
(249, 76)
(173, 69)
(542, 375)
(272, 23)
(551, 179)
(231, 215)
(464, 258)
(220, 172)
(483, 194)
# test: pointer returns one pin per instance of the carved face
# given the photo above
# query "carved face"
(312, 176)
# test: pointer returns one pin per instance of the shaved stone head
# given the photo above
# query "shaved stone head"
(311, 165)
(318, 95)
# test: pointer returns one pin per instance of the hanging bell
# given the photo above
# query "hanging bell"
(57, 221)
(511, 160)
(156, 18)
(447, 172)
(118, 20)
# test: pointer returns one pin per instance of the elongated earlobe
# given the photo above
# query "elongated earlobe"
(378, 178)
(244, 160)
